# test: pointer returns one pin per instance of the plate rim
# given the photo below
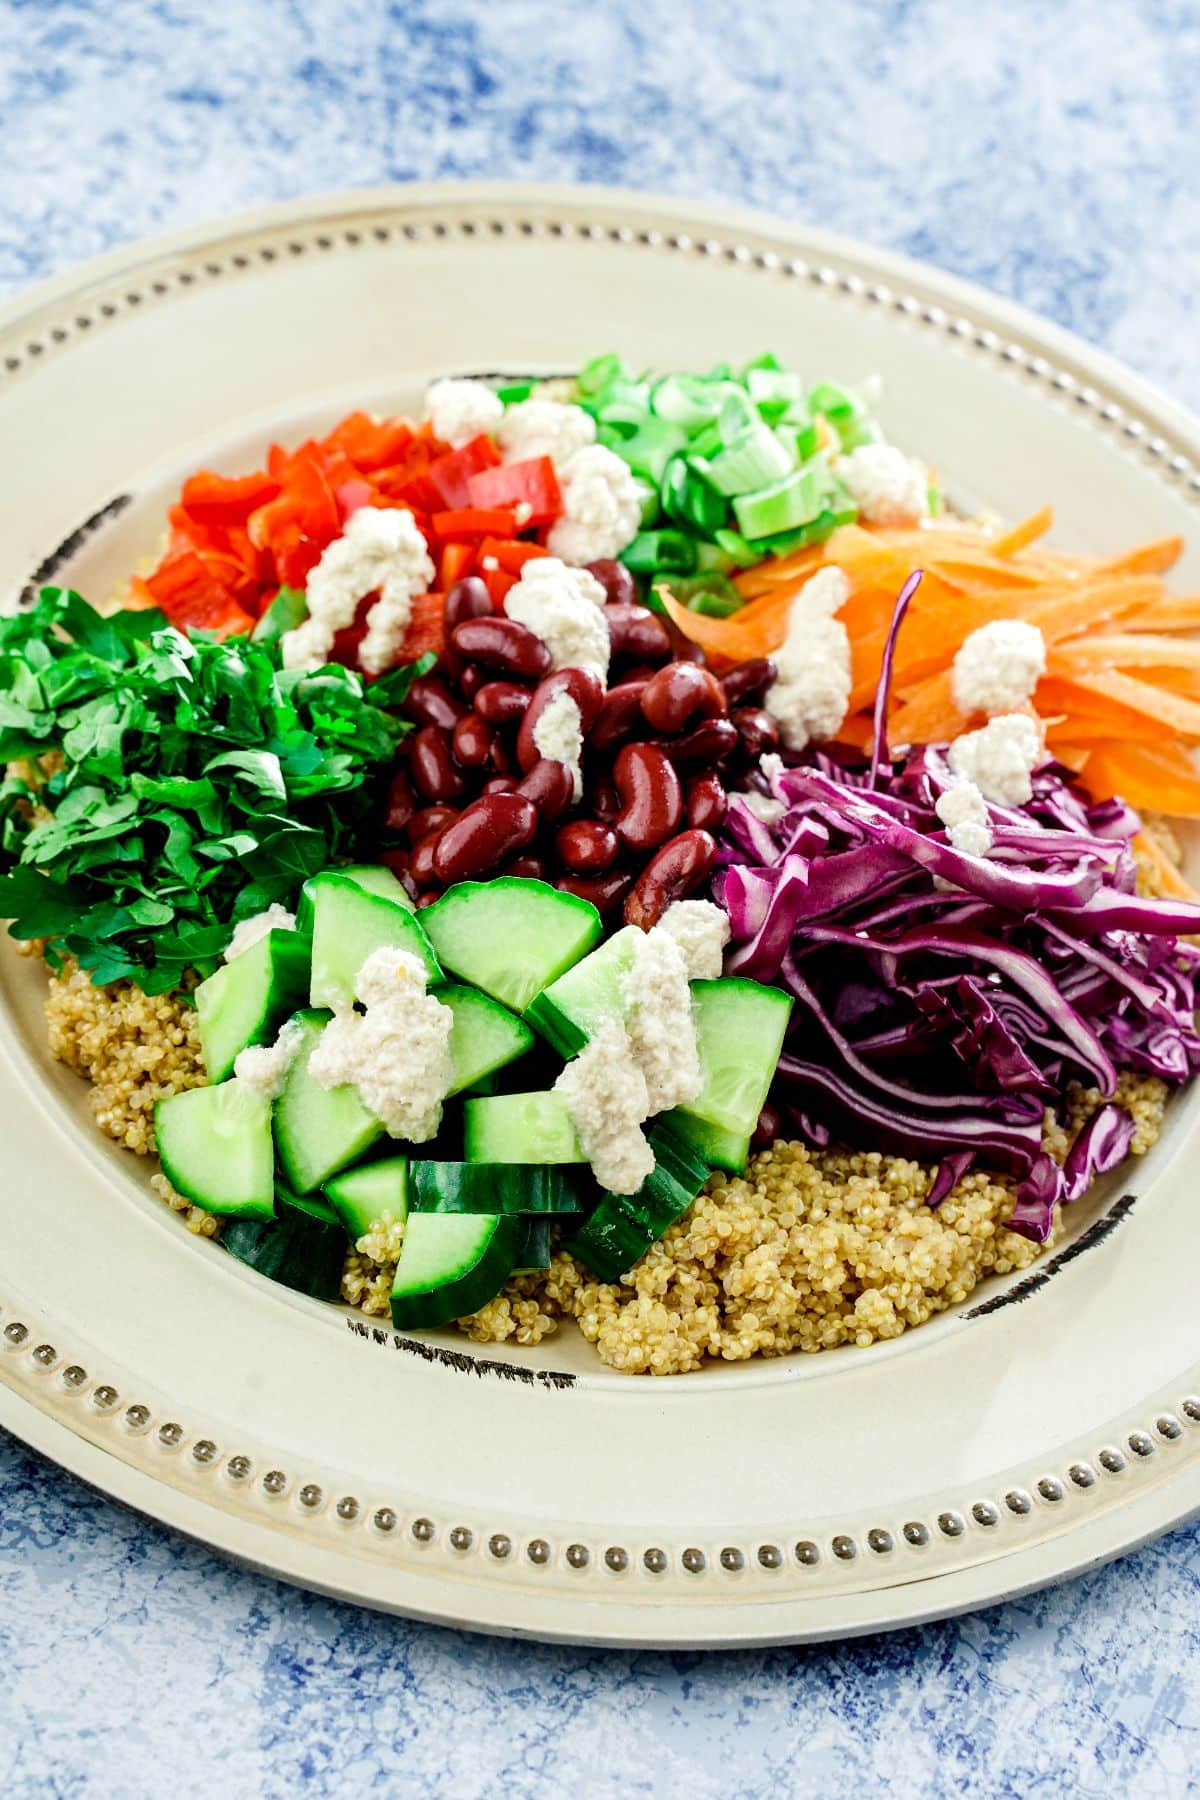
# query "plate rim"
(1095, 1539)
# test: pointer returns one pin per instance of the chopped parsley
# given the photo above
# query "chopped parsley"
(171, 785)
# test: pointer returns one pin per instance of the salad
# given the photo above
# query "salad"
(618, 849)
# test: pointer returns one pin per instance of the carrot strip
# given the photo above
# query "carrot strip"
(1027, 532)
(1154, 558)
(1181, 716)
(1169, 878)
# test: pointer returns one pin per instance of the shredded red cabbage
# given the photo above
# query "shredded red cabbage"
(944, 1001)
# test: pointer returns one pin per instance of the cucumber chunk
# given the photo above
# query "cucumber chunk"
(452, 1264)
(348, 924)
(215, 1147)
(308, 1206)
(623, 1226)
(519, 1128)
(485, 1036)
(571, 1009)
(372, 878)
(719, 1148)
(361, 1196)
(318, 1130)
(510, 937)
(300, 1250)
(480, 1187)
(740, 1027)
(534, 1257)
(248, 999)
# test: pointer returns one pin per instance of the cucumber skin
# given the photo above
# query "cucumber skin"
(719, 1148)
(507, 1189)
(431, 1307)
(624, 1226)
(302, 1253)
(534, 1258)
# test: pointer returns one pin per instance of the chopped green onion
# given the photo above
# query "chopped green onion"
(739, 550)
(711, 559)
(800, 440)
(738, 414)
(665, 550)
(648, 494)
(754, 460)
(785, 505)
(599, 373)
(514, 391)
(776, 389)
(651, 448)
(687, 400)
(711, 593)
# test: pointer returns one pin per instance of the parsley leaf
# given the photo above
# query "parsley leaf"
(192, 782)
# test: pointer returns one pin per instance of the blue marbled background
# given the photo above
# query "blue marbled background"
(1048, 150)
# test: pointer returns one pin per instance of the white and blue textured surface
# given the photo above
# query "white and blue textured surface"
(1049, 151)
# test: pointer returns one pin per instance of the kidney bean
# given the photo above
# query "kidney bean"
(756, 729)
(748, 682)
(503, 645)
(768, 1128)
(502, 702)
(503, 758)
(680, 693)
(422, 865)
(605, 892)
(488, 832)
(428, 895)
(651, 797)
(709, 743)
(620, 589)
(706, 801)
(501, 784)
(586, 847)
(400, 802)
(604, 801)
(529, 868)
(400, 863)
(637, 634)
(471, 680)
(583, 688)
(430, 702)
(637, 672)
(473, 740)
(683, 648)
(551, 787)
(620, 716)
(467, 599)
(679, 868)
(432, 766)
(431, 819)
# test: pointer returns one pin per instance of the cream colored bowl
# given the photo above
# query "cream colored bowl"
(1050, 1423)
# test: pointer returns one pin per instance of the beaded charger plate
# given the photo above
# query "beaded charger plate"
(1050, 1422)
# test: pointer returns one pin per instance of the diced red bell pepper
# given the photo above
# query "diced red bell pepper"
(426, 628)
(371, 443)
(498, 582)
(456, 561)
(474, 522)
(221, 502)
(451, 475)
(511, 555)
(531, 484)
(355, 492)
(190, 594)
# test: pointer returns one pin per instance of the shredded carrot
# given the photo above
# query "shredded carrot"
(1169, 878)
(1121, 694)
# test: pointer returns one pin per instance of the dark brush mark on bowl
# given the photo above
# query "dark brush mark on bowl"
(47, 568)
(1095, 1234)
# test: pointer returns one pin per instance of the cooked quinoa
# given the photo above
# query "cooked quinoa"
(807, 1251)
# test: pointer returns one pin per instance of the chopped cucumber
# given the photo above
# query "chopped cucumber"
(481, 1187)
(361, 1196)
(721, 1149)
(248, 999)
(312, 1206)
(299, 1249)
(520, 1128)
(534, 1257)
(348, 925)
(373, 878)
(740, 1027)
(215, 1146)
(573, 1008)
(485, 1035)
(624, 1226)
(452, 1264)
(318, 1130)
(510, 937)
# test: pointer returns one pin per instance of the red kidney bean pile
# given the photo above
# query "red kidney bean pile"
(472, 796)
